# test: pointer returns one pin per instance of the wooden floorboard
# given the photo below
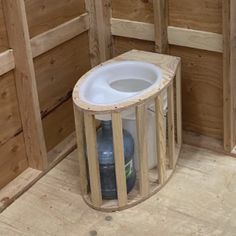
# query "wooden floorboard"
(199, 200)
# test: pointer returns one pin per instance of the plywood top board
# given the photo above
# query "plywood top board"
(58, 70)
(47, 14)
(10, 122)
(167, 64)
(136, 10)
(205, 15)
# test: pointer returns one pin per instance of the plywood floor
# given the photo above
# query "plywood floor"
(200, 199)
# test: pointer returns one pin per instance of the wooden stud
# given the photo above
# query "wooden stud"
(179, 106)
(229, 71)
(60, 34)
(93, 163)
(93, 37)
(142, 149)
(79, 124)
(100, 30)
(176, 35)
(160, 10)
(18, 34)
(171, 127)
(103, 18)
(7, 61)
(160, 139)
(118, 146)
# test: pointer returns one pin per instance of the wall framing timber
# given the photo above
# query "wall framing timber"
(19, 57)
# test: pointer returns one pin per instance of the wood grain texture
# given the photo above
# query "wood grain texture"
(93, 164)
(136, 10)
(205, 15)
(93, 37)
(54, 204)
(4, 45)
(19, 41)
(103, 19)
(141, 123)
(58, 124)
(13, 159)
(132, 29)
(229, 85)
(47, 14)
(10, 121)
(160, 9)
(58, 70)
(118, 146)
(60, 34)
(160, 139)
(171, 127)
(80, 136)
(7, 61)
(122, 45)
(202, 91)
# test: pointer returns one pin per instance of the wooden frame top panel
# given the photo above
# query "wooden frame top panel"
(167, 64)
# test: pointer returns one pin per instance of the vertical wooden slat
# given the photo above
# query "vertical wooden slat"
(171, 127)
(93, 36)
(142, 150)
(119, 158)
(93, 163)
(160, 139)
(160, 10)
(178, 106)
(79, 125)
(100, 38)
(229, 72)
(103, 13)
(19, 41)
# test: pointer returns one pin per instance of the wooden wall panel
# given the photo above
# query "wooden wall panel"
(122, 45)
(3, 33)
(202, 90)
(46, 14)
(205, 15)
(59, 124)
(58, 70)
(10, 123)
(13, 160)
(136, 10)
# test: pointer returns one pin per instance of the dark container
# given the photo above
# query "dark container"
(107, 162)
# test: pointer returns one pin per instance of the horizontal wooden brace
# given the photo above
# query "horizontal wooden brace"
(7, 61)
(176, 36)
(60, 34)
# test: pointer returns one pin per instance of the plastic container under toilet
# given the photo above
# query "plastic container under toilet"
(129, 123)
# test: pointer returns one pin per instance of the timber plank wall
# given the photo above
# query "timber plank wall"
(56, 72)
(202, 86)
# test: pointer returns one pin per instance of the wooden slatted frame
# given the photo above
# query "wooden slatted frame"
(118, 146)
(160, 139)
(171, 126)
(142, 149)
(94, 174)
(79, 125)
(178, 106)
